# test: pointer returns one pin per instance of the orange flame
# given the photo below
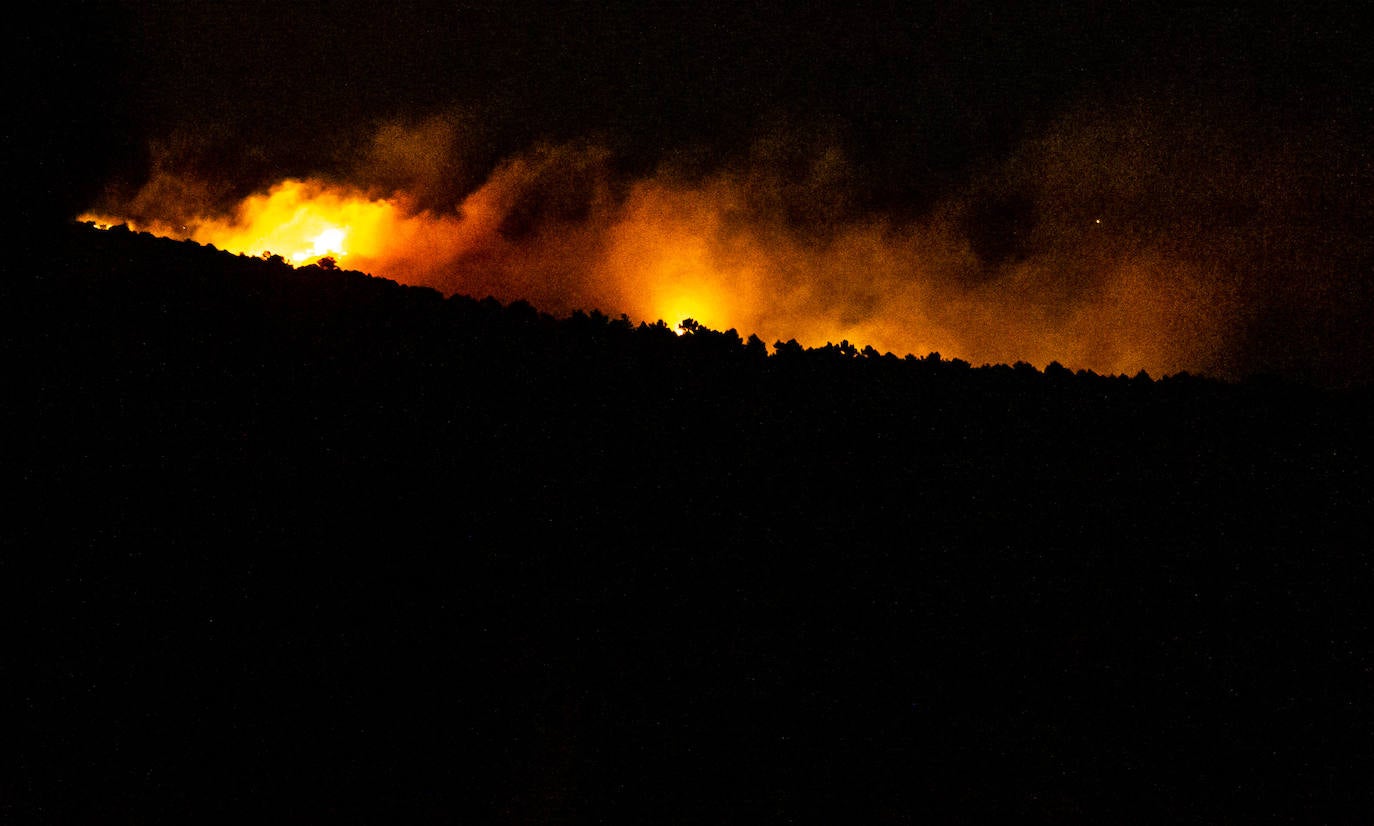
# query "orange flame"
(299, 220)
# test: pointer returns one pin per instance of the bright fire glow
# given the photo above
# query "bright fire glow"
(299, 220)
(329, 242)
(303, 223)
(549, 227)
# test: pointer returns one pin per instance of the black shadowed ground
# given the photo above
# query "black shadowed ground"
(309, 546)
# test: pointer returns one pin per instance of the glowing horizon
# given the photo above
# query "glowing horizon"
(555, 227)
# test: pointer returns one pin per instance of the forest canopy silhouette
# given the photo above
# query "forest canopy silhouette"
(337, 539)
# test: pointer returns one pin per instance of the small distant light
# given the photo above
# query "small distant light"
(1097, 220)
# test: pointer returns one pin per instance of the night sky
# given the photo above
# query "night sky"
(317, 547)
(1220, 155)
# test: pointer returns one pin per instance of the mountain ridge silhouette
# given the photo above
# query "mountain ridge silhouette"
(305, 544)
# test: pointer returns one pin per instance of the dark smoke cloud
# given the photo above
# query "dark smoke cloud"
(1265, 209)
(1111, 188)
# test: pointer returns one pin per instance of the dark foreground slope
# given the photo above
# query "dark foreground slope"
(309, 547)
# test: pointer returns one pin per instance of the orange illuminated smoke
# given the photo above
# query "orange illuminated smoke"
(548, 227)
(303, 223)
(299, 220)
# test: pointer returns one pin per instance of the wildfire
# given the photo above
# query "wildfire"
(301, 221)
(327, 243)
(679, 281)
(546, 227)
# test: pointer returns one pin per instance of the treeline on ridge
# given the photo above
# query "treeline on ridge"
(310, 544)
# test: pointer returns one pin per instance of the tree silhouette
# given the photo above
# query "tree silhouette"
(290, 514)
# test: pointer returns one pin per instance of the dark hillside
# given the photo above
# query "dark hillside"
(309, 546)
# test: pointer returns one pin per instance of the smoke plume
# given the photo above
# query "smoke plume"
(1120, 237)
